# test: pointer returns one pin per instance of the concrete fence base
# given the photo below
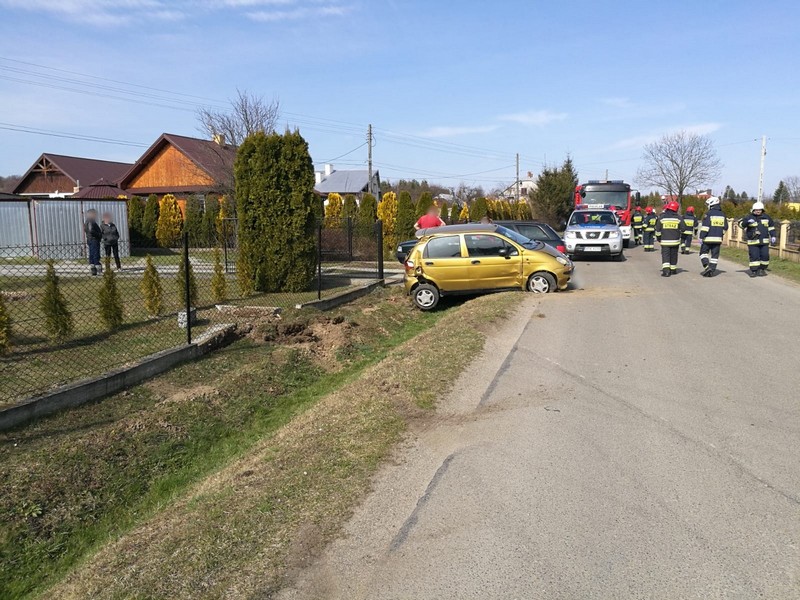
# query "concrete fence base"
(95, 388)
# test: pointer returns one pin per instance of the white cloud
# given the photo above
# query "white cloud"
(301, 12)
(444, 131)
(640, 140)
(537, 118)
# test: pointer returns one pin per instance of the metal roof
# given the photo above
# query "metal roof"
(345, 182)
(100, 189)
(213, 158)
(80, 169)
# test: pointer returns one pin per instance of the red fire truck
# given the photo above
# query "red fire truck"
(613, 195)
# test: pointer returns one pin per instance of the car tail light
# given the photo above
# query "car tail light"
(409, 265)
(562, 249)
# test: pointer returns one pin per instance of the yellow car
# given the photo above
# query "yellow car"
(459, 259)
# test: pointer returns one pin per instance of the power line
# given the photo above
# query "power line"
(330, 160)
(72, 136)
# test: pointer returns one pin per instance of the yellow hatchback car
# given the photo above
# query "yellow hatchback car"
(473, 258)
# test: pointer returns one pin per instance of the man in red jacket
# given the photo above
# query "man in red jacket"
(429, 220)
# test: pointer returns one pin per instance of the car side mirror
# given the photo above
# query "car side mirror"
(503, 252)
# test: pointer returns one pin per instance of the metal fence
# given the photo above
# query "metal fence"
(64, 325)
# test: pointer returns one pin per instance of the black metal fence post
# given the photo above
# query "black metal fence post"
(379, 233)
(186, 287)
(319, 261)
(225, 243)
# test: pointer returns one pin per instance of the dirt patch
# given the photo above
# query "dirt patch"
(196, 393)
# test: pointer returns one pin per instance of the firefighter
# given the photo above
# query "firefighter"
(712, 228)
(668, 231)
(759, 231)
(650, 220)
(637, 221)
(689, 221)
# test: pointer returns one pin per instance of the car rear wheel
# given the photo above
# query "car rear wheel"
(426, 296)
(541, 283)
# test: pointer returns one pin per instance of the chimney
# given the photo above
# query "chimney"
(318, 177)
(219, 139)
(328, 169)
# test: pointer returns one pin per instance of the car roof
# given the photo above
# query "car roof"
(581, 210)
(462, 228)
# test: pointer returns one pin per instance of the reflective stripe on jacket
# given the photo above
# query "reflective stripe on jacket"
(669, 228)
(650, 222)
(713, 226)
(688, 224)
(758, 229)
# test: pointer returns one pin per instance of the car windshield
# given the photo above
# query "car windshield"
(605, 199)
(519, 239)
(592, 217)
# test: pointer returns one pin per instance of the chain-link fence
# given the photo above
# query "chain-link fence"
(60, 323)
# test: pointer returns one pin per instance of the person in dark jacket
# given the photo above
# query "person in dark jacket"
(712, 229)
(637, 221)
(689, 221)
(649, 231)
(93, 237)
(759, 231)
(110, 238)
(668, 231)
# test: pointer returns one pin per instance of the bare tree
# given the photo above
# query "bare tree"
(9, 182)
(249, 114)
(793, 186)
(679, 161)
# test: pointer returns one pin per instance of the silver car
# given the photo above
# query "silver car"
(593, 232)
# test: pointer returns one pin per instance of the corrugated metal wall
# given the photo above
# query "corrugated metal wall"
(15, 229)
(57, 226)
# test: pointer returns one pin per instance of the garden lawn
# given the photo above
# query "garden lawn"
(777, 266)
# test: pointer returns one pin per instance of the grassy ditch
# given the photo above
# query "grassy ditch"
(154, 479)
(784, 268)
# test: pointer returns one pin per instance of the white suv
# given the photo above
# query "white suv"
(593, 232)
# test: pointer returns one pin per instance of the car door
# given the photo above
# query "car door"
(443, 262)
(493, 262)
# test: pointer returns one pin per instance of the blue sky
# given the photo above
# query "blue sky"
(454, 90)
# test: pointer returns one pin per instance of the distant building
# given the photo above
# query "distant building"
(59, 176)
(356, 182)
(526, 188)
(182, 166)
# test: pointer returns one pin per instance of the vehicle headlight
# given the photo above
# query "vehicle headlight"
(562, 260)
(571, 235)
(613, 235)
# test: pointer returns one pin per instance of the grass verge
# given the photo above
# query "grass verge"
(777, 266)
(242, 528)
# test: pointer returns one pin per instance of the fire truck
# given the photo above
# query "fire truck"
(613, 195)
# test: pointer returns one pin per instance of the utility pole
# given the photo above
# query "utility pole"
(606, 179)
(761, 173)
(518, 193)
(369, 159)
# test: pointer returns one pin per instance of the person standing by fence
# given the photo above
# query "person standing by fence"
(759, 231)
(110, 238)
(93, 237)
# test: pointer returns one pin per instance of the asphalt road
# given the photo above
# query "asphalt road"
(637, 438)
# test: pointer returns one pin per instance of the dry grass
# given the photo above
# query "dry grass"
(239, 532)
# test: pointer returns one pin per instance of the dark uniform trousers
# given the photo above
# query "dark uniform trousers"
(709, 255)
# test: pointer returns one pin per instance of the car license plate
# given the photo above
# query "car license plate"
(593, 248)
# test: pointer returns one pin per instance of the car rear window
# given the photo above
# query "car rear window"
(533, 232)
(448, 246)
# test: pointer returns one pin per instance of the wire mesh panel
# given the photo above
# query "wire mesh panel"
(349, 250)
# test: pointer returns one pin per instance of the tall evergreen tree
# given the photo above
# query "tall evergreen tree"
(111, 311)
(182, 279)
(781, 194)
(744, 196)
(135, 216)
(423, 204)
(193, 221)
(152, 292)
(387, 213)
(150, 219)
(219, 285)
(276, 207)
(463, 216)
(367, 212)
(553, 200)
(479, 209)
(405, 216)
(208, 231)
(455, 211)
(57, 318)
(333, 211)
(444, 211)
(350, 207)
(170, 222)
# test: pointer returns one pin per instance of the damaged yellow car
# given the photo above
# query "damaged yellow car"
(475, 258)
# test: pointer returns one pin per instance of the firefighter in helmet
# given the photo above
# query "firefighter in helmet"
(650, 220)
(689, 222)
(712, 229)
(637, 221)
(759, 231)
(668, 231)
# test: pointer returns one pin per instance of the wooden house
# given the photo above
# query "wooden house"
(59, 176)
